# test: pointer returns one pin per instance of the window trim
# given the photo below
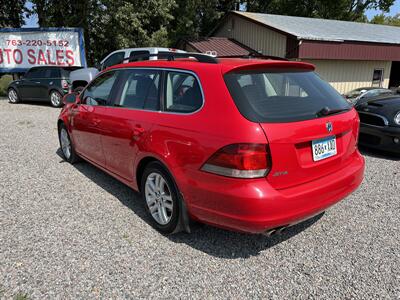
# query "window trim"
(162, 89)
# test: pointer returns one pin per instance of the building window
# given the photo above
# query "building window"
(377, 77)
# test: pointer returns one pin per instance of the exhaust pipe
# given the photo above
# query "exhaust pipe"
(274, 231)
(270, 233)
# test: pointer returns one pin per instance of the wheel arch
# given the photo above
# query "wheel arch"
(141, 166)
(63, 120)
(13, 87)
(56, 89)
(184, 221)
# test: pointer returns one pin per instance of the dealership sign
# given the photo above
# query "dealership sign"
(23, 48)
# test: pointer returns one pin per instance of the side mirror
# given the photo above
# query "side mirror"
(71, 98)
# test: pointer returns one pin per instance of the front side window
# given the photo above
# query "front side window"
(29, 73)
(140, 89)
(98, 92)
(114, 59)
(183, 93)
(282, 95)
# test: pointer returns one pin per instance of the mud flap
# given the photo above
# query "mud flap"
(184, 221)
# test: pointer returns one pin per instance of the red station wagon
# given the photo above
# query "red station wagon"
(247, 145)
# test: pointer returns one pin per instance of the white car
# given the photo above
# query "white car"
(82, 77)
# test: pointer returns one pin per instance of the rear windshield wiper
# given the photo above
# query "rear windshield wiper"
(326, 111)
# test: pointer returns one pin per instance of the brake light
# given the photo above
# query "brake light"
(64, 84)
(240, 161)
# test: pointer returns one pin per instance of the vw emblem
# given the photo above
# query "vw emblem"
(329, 126)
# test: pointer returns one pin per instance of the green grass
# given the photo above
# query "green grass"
(21, 296)
(4, 82)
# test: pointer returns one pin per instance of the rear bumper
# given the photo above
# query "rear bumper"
(254, 206)
(379, 137)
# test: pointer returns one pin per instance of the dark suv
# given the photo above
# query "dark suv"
(41, 84)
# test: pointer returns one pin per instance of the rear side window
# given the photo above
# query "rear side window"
(98, 92)
(276, 96)
(183, 93)
(140, 89)
(138, 55)
(52, 73)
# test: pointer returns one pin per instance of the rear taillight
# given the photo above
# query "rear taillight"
(240, 161)
(64, 84)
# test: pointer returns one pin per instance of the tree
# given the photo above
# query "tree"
(350, 10)
(74, 13)
(386, 20)
(11, 15)
(109, 24)
(194, 18)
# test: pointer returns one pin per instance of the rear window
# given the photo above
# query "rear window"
(282, 96)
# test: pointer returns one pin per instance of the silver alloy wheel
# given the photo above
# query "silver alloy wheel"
(65, 143)
(158, 198)
(55, 98)
(12, 96)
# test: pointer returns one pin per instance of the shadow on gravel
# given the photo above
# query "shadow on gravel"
(379, 154)
(35, 103)
(123, 193)
(213, 241)
(227, 244)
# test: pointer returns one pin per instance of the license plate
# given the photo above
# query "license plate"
(324, 148)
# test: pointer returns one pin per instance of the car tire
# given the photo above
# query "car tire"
(13, 96)
(55, 98)
(66, 146)
(161, 197)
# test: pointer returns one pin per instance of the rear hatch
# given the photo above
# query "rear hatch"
(310, 128)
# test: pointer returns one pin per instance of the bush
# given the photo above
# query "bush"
(4, 82)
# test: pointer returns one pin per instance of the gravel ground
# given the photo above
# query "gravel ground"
(74, 232)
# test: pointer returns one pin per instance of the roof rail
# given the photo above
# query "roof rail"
(204, 58)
